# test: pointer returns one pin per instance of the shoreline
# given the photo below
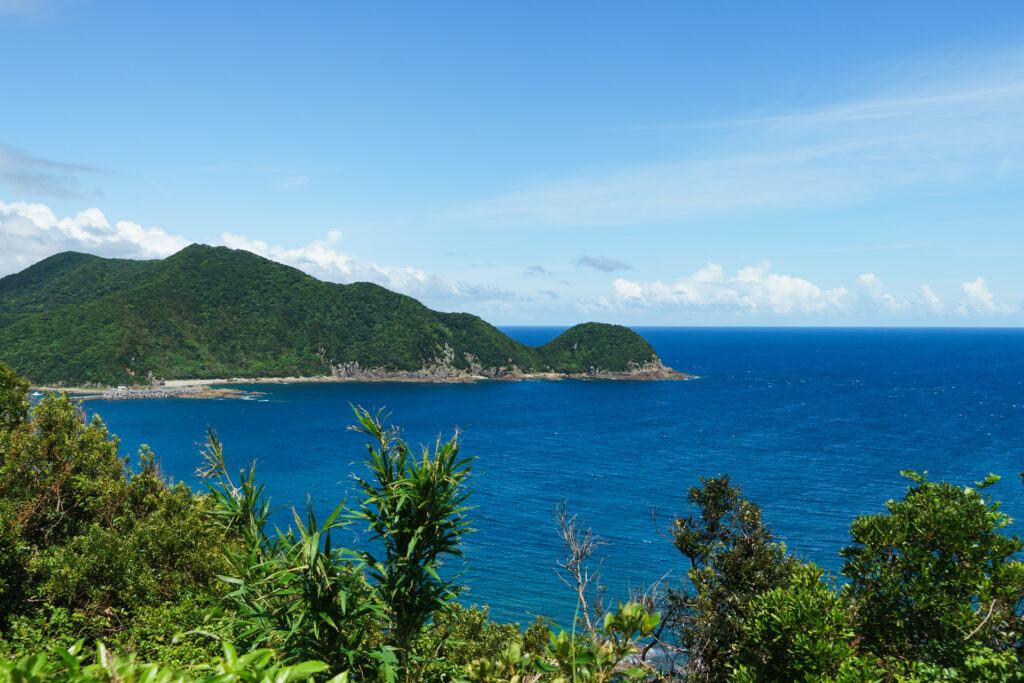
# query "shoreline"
(213, 388)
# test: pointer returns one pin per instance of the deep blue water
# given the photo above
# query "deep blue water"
(815, 424)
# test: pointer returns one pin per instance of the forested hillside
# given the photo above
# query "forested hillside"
(209, 312)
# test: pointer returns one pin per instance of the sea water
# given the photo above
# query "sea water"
(814, 424)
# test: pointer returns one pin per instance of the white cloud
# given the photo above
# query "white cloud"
(30, 232)
(874, 289)
(981, 300)
(938, 129)
(757, 290)
(322, 260)
(933, 301)
(753, 289)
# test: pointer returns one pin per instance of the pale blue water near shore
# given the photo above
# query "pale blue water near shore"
(815, 424)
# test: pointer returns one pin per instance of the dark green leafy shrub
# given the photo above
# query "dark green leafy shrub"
(934, 577)
(86, 545)
(799, 631)
(587, 658)
(734, 559)
(981, 664)
(459, 635)
(13, 399)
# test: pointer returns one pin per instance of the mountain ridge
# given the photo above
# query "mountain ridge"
(211, 312)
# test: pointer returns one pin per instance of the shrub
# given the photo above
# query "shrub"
(733, 559)
(416, 510)
(86, 544)
(799, 631)
(933, 578)
(77, 665)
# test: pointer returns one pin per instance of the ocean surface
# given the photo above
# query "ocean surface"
(814, 424)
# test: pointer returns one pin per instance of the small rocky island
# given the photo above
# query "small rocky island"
(211, 312)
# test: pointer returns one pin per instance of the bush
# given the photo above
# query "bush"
(415, 509)
(733, 559)
(86, 544)
(934, 578)
(797, 632)
(76, 665)
(590, 658)
(459, 635)
(293, 591)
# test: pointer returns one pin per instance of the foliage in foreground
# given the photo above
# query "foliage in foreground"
(933, 593)
(76, 665)
(90, 548)
(415, 508)
(935, 575)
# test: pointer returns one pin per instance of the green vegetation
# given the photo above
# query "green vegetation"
(209, 312)
(733, 559)
(934, 578)
(415, 508)
(108, 573)
(90, 549)
(77, 665)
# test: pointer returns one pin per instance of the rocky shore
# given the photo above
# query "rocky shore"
(442, 369)
(437, 373)
(443, 373)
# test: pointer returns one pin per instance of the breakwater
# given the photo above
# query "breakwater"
(150, 392)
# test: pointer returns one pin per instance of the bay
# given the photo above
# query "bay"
(815, 424)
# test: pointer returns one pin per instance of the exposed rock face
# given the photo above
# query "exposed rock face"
(442, 370)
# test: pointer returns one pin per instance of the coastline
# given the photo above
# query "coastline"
(213, 388)
(449, 377)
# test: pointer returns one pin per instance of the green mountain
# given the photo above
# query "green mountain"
(209, 312)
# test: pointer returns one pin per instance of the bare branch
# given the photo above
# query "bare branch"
(991, 607)
(578, 545)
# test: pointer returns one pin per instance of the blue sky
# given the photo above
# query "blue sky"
(643, 163)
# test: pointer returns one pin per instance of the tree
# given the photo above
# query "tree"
(934, 577)
(13, 399)
(733, 559)
(89, 548)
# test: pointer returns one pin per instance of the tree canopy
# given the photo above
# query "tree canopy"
(213, 312)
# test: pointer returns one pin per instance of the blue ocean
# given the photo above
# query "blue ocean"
(814, 424)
